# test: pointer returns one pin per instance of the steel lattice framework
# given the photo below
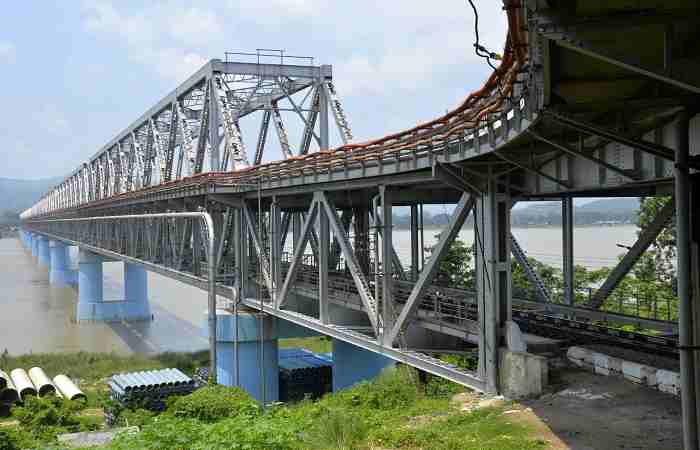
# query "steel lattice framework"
(195, 129)
(563, 115)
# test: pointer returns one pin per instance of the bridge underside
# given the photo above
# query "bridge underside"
(588, 113)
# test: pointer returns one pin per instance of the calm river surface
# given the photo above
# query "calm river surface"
(35, 317)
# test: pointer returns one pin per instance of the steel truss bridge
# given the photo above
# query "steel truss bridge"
(590, 99)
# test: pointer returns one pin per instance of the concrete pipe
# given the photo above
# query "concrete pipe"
(42, 383)
(9, 394)
(22, 382)
(67, 388)
(4, 379)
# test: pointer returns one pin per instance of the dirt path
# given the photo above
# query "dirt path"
(591, 412)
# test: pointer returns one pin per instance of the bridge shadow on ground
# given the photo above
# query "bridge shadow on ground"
(166, 332)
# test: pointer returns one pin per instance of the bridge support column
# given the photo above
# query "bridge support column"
(24, 236)
(567, 226)
(136, 306)
(35, 245)
(90, 294)
(502, 368)
(352, 365)
(243, 341)
(60, 273)
(44, 253)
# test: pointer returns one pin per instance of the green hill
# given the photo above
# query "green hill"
(18, 195)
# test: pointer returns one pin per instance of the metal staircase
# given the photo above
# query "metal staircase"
(535, 279)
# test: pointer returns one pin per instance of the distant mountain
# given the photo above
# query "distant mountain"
(611, 205)
(603, 211)
(18, 195)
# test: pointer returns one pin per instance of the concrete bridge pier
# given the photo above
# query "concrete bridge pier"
(352, 364)
(34, 246)
(136, 305)
(91, 304)
(43, 251)
(90, 292)
(239, 353)
(60, 273)
(25, 238)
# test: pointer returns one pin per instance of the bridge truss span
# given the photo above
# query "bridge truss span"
(553, 121)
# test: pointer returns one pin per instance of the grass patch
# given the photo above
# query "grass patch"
(317, 344)
(390, 412)
(90, 367)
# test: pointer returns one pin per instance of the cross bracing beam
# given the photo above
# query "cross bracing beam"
(595, 130)
(299, 248)
(465, 205)
(262, 256)
(520, 256)
(583, 154)
(644, 241)
(358, 276)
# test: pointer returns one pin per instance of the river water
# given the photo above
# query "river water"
(36, 317)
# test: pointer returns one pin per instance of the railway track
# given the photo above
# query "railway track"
(451, 307)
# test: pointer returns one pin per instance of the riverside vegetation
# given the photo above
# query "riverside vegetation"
(393, 411)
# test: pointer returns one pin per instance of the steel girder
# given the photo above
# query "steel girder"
(171, 140)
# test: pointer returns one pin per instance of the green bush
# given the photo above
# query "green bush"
(47, 412)
(7, 442)
(337, 430)
(394, 388)
(213, 403)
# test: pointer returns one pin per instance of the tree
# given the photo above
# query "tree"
(455, 268)
(662, 255)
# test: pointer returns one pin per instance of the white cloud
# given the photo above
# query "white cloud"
(194, 26)
(7, 52)
(163, 38)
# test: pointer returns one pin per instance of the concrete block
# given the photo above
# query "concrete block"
(633, 372)
(579, 355)
(669, 382)
(514, 338)
(601, 364)
(615, 365)
(522, 374)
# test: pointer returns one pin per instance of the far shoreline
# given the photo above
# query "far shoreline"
(545, 226)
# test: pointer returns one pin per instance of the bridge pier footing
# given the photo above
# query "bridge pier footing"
(352, 364)
(239, 353)
(60, 273)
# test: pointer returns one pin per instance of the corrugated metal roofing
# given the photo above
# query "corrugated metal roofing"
(300, 358)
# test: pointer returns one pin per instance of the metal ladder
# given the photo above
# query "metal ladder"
(340, 117)
(535, 279)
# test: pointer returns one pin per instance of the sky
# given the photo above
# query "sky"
(75, 73)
